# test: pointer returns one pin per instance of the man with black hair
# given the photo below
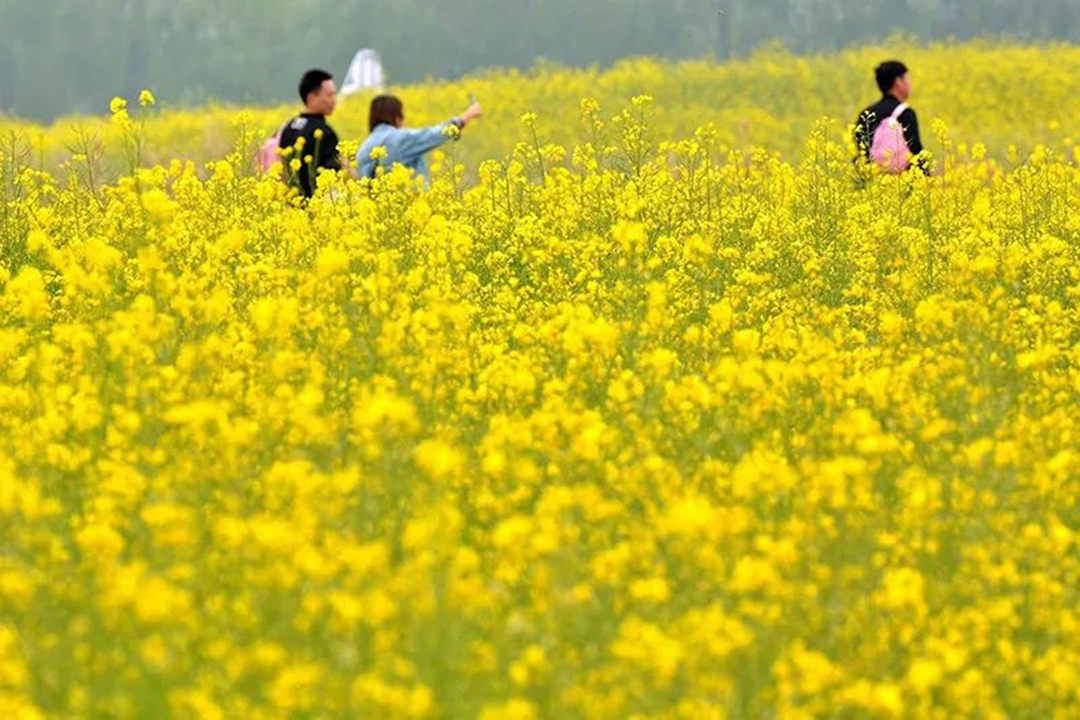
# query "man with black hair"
(895, 85)
(308, 143)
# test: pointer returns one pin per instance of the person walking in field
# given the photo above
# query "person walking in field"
(308, 143)
(398, 145)
(887, 132)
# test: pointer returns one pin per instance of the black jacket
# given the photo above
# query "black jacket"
(323, 152)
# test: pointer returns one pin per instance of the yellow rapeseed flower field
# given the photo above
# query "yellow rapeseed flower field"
(1002, 96)
(659, 415)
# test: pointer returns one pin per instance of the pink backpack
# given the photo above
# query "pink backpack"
(889, 149)
(267, 155)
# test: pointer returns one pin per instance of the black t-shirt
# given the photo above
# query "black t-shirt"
(323, 151)
(870, 118)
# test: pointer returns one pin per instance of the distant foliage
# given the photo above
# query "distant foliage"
(64, 55)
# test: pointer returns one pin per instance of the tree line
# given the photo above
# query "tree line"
(63, 56)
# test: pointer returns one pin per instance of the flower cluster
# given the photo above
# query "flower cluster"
(658, 430)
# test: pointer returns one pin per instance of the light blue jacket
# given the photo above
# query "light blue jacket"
(403, 147)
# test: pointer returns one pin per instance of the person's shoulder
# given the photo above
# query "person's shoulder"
(288, 130)
(908, 117)
(871, 111)
(382, 133)
(374, 139)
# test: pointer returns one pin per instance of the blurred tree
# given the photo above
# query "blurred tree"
(59, 56)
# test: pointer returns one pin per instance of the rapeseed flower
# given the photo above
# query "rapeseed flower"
(643, 419)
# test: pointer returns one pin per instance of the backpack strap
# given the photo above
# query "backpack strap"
(900, 110)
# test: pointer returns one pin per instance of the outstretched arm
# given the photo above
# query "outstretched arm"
(414, 143)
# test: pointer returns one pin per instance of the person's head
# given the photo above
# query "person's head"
(386, 110)
(318, 92)
(892, 79)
